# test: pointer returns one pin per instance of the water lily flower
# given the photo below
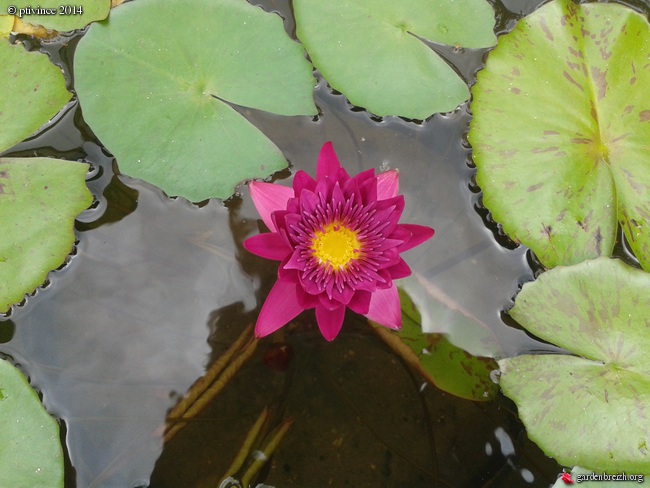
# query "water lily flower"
(339, 243)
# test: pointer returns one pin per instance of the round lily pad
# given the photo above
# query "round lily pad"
(39, 200)
(590, 409)
(372, 50)
(33, 91)
(561, 128)
(30, 450)
(159, 98)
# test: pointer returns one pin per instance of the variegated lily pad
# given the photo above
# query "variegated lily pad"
(561, 128)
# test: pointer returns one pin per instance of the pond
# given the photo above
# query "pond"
(158, 288)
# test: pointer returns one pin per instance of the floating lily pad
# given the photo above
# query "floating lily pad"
(33, 91)
(591, 409)
(39, 200)
(30, 450)
(440, 362)
(156, 96)
(372, 50)
(6, 23)
(57, 16)
(561, 128)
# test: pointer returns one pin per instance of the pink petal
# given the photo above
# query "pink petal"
(328, 164)
(280, 307)
(360, 302)
(399, 270)
(269, 245)
(419, 234)
(330, 321)
(302, 181)
(385, 308)
(387, 184)
(269, 197)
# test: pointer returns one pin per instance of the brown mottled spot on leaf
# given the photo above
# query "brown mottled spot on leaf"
(571, 80)
(594, 113)
(581, 140)
(573, 66)
(551, 133)
(3, 174)
(621, 137)
(535, 187)
(599, 240)
(538, 150)
(515, 90)
(515, 72)
(644, 115)
(575, 53)
(547, 33)
(628, 109)
(633, 80)
(600, 80)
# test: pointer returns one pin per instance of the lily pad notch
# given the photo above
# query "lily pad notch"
(163, 108)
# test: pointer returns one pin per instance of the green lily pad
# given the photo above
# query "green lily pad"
(30, 450)
(33, 91)
(591, 409)
(440, 362)
(54, 15)
(157, 98)
(39, 200)
(560, 131)
(372, 51)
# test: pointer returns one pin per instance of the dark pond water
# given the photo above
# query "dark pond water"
(158, 288)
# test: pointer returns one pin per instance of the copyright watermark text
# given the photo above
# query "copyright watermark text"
(60, 10)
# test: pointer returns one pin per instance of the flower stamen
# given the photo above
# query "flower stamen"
(335, 244)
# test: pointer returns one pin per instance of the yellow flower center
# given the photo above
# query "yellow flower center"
(336, 244)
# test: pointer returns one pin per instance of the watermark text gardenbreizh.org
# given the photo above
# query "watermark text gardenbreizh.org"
(569, 479)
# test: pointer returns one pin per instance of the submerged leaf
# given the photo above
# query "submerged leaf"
(591, 410)
(561, 128)
(30, 450)
(39, 200)
(371, 50)
(440, 362)
(33, 91)
(157, 98)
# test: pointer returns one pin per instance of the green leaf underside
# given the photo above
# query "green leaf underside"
(39, 200)
(67, 16)
(30, 450)
(155, 96)
(33, 91)
(448, 367)
(592, 410)
(369, 50)
(560, 131)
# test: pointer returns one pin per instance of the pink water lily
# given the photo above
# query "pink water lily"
(339, 243)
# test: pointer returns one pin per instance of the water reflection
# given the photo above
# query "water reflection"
(125, 326)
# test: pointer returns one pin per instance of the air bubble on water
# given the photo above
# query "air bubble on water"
(259, 455)
(488, 449)
(527, 475)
